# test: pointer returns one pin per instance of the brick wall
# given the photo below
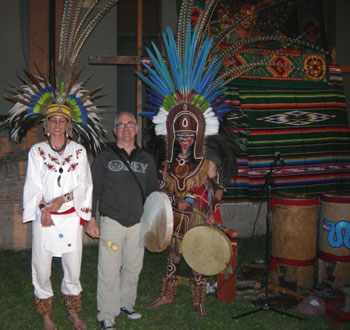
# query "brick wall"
(13, 234)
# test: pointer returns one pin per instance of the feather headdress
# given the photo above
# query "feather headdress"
(189, 87)
(61, 93)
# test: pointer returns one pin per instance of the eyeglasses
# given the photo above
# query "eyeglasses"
(130, 124)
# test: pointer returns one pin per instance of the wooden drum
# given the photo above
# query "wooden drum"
(334, 239)
(294, 236)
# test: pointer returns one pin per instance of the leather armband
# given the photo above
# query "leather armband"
(215, 203)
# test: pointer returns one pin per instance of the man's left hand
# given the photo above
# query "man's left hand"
(91, 228)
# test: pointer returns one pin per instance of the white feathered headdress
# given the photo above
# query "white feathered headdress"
(61, 93)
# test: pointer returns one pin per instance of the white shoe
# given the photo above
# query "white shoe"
(108, 324)
(131, 313)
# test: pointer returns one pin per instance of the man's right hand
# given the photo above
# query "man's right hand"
(91, 228)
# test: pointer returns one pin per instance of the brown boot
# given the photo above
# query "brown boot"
(198, 293)
(73, 304)
(44, 308)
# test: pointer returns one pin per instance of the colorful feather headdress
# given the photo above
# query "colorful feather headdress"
(40, 97)
(185, 96)
(190, 89)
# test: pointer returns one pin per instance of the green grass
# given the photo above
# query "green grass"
(17, 309)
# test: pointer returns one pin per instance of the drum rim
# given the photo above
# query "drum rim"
(334, 198)
(314, 201)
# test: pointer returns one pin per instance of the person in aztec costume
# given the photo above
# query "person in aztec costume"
(57, 193)
(190, 105)
(198, 160)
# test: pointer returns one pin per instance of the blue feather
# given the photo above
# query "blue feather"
(147, 114)
(162, 78)
(207, 81)
(209, 75)
(154, 108)
(176, 66)
(150, 83)
(157, 80)
(188, 60)
(212, 97)
(155, 100)
(223, 112)
(163, 70)
(200, 63)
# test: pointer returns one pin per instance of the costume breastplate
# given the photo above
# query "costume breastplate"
(180, 177)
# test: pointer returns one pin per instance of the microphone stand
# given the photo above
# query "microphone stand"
(265, 304)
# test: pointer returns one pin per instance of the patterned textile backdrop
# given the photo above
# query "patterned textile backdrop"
(297, 110)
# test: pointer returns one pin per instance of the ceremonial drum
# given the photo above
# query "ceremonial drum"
(294, 233)
(334, 240)
(156, 222)
(206, 249)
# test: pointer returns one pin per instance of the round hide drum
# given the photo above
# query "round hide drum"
(157, 222)
(206, 249)
(294, 233)
(334, 239)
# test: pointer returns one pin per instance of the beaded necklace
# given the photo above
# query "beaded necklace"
(57, 152)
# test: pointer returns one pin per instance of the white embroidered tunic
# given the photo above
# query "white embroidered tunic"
(50, 175)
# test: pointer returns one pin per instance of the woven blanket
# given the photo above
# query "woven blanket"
(296, 110)
(308, 127)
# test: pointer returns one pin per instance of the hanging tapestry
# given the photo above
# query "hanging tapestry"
(293, 104)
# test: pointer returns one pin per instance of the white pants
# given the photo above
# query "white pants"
(118, 271)
(41, 265)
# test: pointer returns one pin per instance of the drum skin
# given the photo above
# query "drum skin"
(157, 222)
(206, 249)
(334, 225)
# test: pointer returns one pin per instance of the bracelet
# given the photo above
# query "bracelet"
(214, 204)
(41, 206)
(68, 197)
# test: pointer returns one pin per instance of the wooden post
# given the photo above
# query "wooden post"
(129, 60)
(138, 68)
(38, 52)
(331, 9)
